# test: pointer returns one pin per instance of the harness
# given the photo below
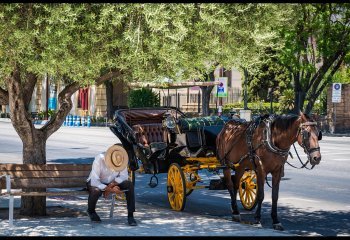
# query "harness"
(268, 139)
(251, 150)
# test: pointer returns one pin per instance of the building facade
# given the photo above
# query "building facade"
(92, 100)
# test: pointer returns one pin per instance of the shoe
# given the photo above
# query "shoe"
(94, 217)
(132, 221)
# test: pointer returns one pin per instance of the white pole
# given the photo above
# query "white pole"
(11, 211)
(8, 188)
(112, 206)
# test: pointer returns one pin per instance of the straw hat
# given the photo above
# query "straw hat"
(116, 158)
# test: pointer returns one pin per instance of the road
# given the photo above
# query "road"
(311, 202)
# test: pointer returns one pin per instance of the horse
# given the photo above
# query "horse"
(263, 145)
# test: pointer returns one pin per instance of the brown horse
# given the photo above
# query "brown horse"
(264, 145)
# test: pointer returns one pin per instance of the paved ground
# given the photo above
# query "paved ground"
(67, 217)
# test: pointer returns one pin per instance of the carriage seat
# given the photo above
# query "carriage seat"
(149, 133)
(151, 138)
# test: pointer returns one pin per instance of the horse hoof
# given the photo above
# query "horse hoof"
(236, 218)
(278, 226)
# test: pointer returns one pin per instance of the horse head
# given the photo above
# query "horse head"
(308, 137)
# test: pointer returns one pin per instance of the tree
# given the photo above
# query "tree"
(79, 44)
(317, 43)
(230, 35)
(271, 74)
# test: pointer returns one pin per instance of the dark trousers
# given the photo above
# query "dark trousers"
(95, 193)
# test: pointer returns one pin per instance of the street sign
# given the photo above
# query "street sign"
(336, 93)
(221, 89)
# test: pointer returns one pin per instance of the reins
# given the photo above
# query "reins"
(303, 164)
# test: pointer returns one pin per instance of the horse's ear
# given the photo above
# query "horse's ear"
(302, 115)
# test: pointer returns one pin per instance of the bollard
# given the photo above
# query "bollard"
(78, 121)
(66, 121)
(88, 121)
(74, 121)
(83, 121)
(70, 120)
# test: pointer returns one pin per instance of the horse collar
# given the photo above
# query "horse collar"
(268, 140)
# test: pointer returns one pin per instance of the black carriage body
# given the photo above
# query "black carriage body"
(144, 136)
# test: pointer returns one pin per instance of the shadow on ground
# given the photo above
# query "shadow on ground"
(72, 160)
(305, 222)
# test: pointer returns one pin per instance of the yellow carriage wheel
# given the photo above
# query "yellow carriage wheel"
(190, 183)
(176, 187)
(248, 190)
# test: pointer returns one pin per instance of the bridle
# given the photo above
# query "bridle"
(305, 144)
(306, 136)
(284, 152)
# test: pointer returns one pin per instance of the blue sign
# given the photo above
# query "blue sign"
(52, 103)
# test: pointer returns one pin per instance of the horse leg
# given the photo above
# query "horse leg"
(233, 194)
(276, 178)
(260, 194)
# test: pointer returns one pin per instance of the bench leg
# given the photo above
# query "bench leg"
(112, 206)
(11, 200)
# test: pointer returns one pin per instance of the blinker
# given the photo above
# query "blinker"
(319, 136)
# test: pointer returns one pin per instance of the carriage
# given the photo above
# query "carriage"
(164, 140)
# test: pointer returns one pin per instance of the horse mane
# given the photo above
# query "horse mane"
(284, 121)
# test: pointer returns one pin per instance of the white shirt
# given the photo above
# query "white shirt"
(101, 175)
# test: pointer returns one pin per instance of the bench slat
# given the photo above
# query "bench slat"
(46, 182)
(41, 174)
(67, 193)
(46, 167)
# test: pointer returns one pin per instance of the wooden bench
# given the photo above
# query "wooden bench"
(57, 179)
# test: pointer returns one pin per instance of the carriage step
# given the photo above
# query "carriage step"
(217, 184)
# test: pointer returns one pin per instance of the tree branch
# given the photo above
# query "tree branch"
(331, 74)
(65, 102)
(28, 88)
(323, 69)
(21, 120)
(108, 76)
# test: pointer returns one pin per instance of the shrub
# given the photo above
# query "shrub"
(257, 108)
(287, 101)
(143, 97)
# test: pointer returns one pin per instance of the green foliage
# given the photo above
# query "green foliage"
(257, 108)
(143, 97)
(286, 101)
(317, 41)
(270, 75)
(342, 76)
(42, 114)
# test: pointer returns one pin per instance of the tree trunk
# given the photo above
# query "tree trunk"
(109, 98)
(33, 139)
(34, 152)
(206, 91)
(297, 93)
